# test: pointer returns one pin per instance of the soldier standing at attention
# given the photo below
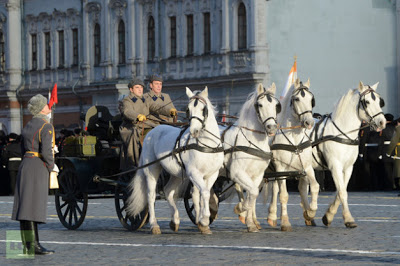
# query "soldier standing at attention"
(11, 157)
(159, 100)
(31, 190)
(394, 149)
(135, 110)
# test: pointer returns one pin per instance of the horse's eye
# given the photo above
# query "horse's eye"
(297, 99)
(260, 105)
(366, 102)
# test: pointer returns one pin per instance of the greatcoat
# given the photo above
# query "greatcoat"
(132, 131)
(31, 190)
(394, 149)
(159, 102)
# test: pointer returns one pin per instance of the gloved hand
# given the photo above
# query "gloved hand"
(55, 169)
(172, 112)
(141, 118)
(380, 157)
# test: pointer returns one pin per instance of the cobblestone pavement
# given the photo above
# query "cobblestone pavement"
(101, 239)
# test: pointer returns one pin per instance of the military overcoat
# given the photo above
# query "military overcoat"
(394, 149)
(161, 104)
(31, 190)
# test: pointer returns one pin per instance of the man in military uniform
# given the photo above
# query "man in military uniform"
(386, 170)
(135, 110)
(11, 158)
(394, 149)
(159, 100)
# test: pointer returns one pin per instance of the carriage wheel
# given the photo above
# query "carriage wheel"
(128, 222)
(71, 203)
(189, 206)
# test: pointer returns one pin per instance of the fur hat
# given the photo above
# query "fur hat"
(155, 77)
(36, 104)
(134, 82)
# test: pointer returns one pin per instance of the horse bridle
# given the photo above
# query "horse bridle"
(302, 90)
(269, 97)
(205, 110)
(362, 103)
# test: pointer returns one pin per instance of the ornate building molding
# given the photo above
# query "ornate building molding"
(118, 6)
(3, 20)
(45, 19)
(94, 8)
(59, 18)
(74, 19)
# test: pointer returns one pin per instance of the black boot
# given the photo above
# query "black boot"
(27, 237)
(39, 250)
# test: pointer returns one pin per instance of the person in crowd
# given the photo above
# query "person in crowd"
(362, 170)
(135, 110)
(394, 151)
(32, 186)
(11, 158)
(159, 100)
(386, 181)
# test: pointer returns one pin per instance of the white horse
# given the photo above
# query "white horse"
(335, 141)
(246, 147)
(292, 151)
(195, 153)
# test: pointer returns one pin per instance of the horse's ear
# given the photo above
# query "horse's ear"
(360, 86)
(189, 93)
(375, 86)
(307, 84)
(204, 93)
(297, 83)
(260, 88)
(272, 88)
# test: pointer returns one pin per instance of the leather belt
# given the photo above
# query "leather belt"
(34, 154)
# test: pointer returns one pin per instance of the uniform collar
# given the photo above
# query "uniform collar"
(134, 98)
(155, 96)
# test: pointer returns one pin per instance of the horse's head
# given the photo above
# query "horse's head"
(197, 111)
(370, 106)
(267, 107)
(302, 103)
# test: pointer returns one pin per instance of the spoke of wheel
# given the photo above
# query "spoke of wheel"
(78, 208)
(81, 200)
(66, 213)
(63, 205)
(70, 216)
(191, 208)
(75, 215)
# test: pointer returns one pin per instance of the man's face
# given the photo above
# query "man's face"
(156, 87)
(137, 90)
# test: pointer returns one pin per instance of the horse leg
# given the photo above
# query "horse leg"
(347, 217)
(310, 211)
(196, 202)
(337, 176)
(239, 207)
(171, 189)
(204, 220)
(273, 206)
(249, 205)
(151, 194)
(284, 198)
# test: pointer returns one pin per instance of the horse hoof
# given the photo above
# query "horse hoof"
(286, 228)
(325, 221)
(204, 230)
(174, 227)
(258, 225)
(351, 225)
(272, 223)
(242, 219)
(238, 208)
(156, 230)
(252, 229)
(310, 222)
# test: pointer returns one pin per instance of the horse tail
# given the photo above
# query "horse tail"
(266, 188)
(137, 200)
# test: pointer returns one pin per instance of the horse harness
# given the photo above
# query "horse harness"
(301, 90)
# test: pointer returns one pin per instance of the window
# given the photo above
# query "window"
(151, 45)
(75, 47)
(207, 33)
(47, 47)
(2, 53)
(242, 27)
(97, 45)
(189, 34)
(173, 36)
(61, 52)
(34, 51)
(121, 42)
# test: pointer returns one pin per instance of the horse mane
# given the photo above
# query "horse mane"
(285, 103)
(245, 111)
(345, 101)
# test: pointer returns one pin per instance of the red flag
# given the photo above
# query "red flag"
(53, 98)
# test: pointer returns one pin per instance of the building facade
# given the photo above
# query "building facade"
(91, 49)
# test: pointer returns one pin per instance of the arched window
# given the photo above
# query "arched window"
(173, 36)
(189, 34)
(151, 41)
(121, 42)
(2, 53)
(97, 45)
(242, 27)
(207, 33)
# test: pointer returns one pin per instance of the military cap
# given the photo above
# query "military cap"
(36, 104)
(155, 77)
(134, 82)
